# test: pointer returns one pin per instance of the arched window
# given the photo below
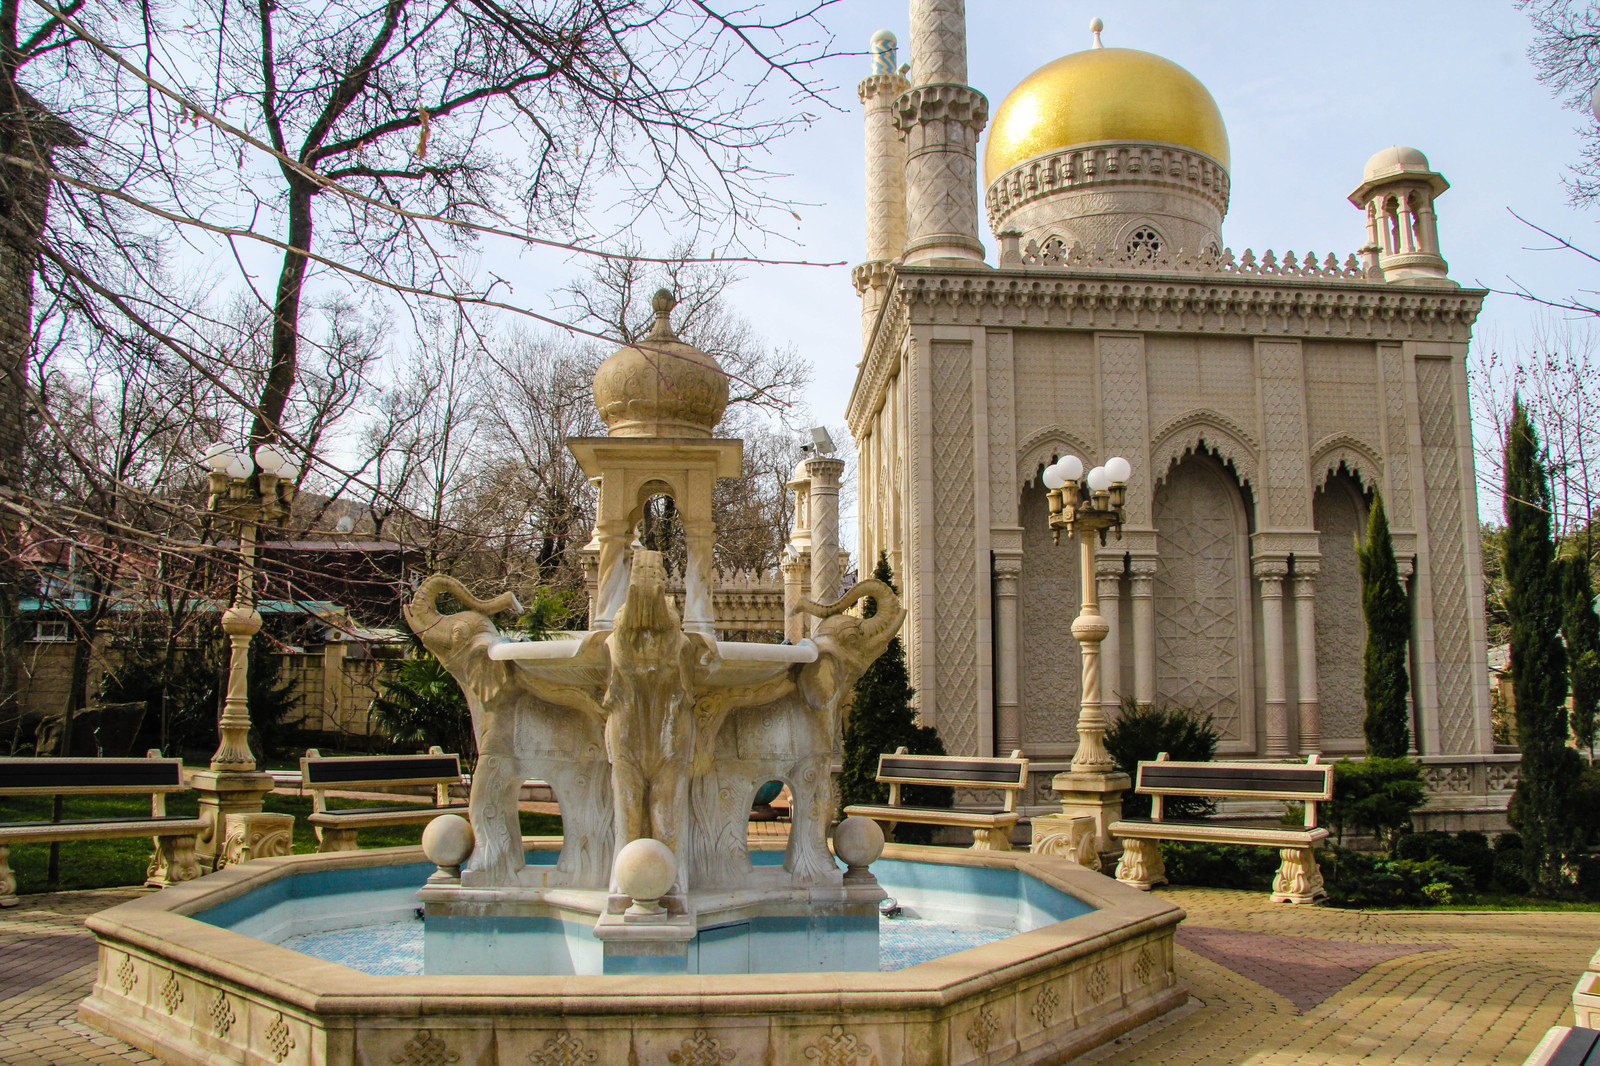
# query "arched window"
(1145, 243)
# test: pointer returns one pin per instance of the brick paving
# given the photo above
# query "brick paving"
(1272, 985)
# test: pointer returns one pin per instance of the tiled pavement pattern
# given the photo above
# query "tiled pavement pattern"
(1484, 994)
(46, 967)
(1405, 988)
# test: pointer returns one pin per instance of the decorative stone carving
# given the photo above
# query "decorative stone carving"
(702, 1049)
(173, 862)
(1144, 965)
(127, 976)
(837, 1047)
(222, 1016)
(425, 1049)
(563, 1049)
(278, 1038)
(171, 992)
(262, 835)
(1045, 1005)
(1299, 879)
(1339, 515)
(954, 606)
(1141, 865)
(981, 1033)
(1067, 837)
(1281, 384)
(1098, 982)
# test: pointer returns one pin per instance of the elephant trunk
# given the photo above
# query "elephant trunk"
(422, 613)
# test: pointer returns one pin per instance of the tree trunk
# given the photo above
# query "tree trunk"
(286, 314)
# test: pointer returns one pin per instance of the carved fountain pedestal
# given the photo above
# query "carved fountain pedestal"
(648, 728)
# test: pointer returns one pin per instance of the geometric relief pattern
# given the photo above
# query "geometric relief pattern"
(1002, 431)
(1447, 559)
(1342, 389)
(1199, 587)
(1126, 411)
(1341, 630)
(1048, 596)
(1398, 466)
(955, 598)
(1283, 432)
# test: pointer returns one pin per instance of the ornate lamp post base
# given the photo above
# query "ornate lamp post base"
(230, 802)
(1093, 795)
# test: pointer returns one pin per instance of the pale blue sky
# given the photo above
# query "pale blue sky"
(1308, 94)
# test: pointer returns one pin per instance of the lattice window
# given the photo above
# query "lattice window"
(1145, 243)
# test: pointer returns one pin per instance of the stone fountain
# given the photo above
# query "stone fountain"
(653, 734)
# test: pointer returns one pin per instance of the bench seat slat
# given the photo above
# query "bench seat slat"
(38, 832)
(1257, 780)
(381, 815)
(934, 815)
(1218, 833)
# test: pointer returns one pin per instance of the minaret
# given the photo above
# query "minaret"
(886, 178)
(941, 117)
(1397, 192)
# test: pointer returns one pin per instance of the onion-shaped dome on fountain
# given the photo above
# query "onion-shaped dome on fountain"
(1113, 147)
(663, 387)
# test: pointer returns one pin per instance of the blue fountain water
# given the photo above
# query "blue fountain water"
(367, 918)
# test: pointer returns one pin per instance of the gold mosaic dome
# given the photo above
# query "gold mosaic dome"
(1104, 94)
(662, 388)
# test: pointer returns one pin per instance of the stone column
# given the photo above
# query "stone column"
(796, 583)
(826, 574)
(1108, 572)
(699, 614)
(886, 180)
(1270, 573)
(1143, 575)
(941, 117)
(1305, 631)
(1008, 708)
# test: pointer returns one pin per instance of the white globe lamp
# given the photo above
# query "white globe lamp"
(1119, 469)
(1099, 479)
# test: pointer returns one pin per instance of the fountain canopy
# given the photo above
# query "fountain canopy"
(661, 387)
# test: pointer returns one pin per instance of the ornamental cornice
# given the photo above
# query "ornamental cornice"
(874, 273)
(883, 350)
(1251, 305)
(941, 103)
(1166, 167)
(882, 85)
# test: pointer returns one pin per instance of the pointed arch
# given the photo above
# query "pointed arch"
(1204, 431)
(1043, 446)
(1350, 452)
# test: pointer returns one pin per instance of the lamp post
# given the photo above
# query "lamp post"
(250, 493)
(1086, 507)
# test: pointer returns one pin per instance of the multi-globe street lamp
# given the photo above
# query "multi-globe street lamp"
(250, 503)
(1087, 506)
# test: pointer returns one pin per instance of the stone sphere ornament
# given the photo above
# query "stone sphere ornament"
(859, 842)
(447, 841)
(645, 870)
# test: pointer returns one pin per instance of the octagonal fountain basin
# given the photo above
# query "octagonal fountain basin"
(995, 957)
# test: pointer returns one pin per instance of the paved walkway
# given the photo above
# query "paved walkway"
(1273, 985)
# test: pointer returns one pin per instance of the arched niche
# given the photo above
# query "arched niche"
(1339, 511)
(1204, 645)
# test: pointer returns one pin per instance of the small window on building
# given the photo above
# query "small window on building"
(50, 632)
(1145, 243)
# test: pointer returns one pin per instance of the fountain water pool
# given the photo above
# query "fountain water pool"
(370, 923)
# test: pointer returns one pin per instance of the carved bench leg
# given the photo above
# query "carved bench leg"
(257, 835)
(1299, 878)
(1141, 865)
(991, 838)
(331, 839)
(8, 880)
(173, 862)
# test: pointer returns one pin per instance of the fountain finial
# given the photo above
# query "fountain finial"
(662, 304)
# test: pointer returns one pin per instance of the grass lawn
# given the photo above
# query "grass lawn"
(112, 863)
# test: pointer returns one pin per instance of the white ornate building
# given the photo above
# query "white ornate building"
(1259, 399)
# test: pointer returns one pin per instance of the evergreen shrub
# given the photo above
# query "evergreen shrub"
(1219, 865)
(1376, 795)
(1362, 879)
(1141, 733)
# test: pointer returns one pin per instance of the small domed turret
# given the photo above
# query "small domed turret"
(663, 387)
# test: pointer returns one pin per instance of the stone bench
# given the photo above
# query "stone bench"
(336, 830)
(1567, 1046)
(174, 835)
(1298, 879)
(991, 830)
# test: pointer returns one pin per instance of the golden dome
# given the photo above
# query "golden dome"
(1104, 94)
(664, 388)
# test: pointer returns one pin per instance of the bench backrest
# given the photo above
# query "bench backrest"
(1010, 775)
(1308, 782)
(318, 773)
(51, 776)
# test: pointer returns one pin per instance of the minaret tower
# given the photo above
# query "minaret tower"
(1397, 192)
(886, 177)
(941, 117)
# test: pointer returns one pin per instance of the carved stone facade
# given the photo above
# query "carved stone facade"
(1261, 400)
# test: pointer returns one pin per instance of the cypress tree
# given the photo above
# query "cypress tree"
(881, 720)
(1581, 629)
(1386, 679)
(1550, 770)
